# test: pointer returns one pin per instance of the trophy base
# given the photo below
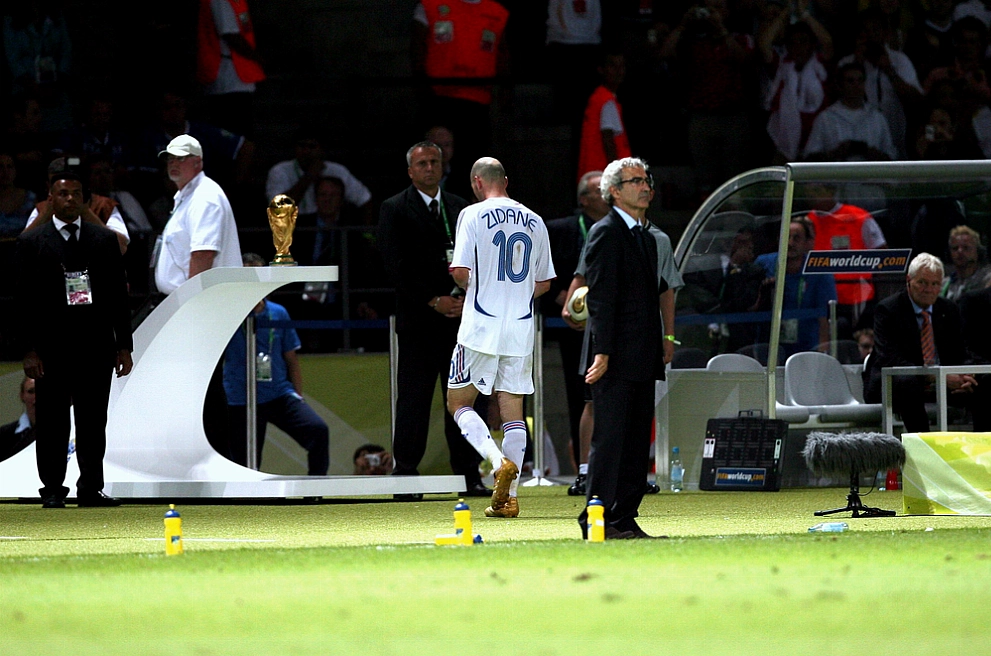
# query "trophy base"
(283, 260)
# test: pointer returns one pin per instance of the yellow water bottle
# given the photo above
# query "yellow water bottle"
(462, 522)
(596, 520)
(173, 531)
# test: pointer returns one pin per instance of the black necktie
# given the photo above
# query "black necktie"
(434, 212)
(71, 246)
(641, 237)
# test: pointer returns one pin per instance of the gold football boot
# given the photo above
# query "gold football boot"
(510, 509)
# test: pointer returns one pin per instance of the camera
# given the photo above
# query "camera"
(373, 459)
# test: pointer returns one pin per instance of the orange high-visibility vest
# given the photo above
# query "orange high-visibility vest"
(463, 41)
(208, 45)
(591, 153)
(839, 231)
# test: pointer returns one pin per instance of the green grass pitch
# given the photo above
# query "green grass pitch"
(739, 574)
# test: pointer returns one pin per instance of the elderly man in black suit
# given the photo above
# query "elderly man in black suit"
(75, 330)
(628, 343)
(916, 327)
(416, 237)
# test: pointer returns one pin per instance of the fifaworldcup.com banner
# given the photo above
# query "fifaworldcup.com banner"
(867, 261)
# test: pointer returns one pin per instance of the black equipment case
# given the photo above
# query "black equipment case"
(743, 453)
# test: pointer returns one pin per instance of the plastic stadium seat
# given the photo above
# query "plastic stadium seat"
(759, 352)
(736, 362)
(817, 381)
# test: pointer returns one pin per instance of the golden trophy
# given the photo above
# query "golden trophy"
(282, 212)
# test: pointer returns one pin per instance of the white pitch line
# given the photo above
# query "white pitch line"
(14, 537)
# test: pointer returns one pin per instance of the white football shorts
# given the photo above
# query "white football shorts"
(501, 373)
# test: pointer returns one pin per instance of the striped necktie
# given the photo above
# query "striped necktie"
(928, 343)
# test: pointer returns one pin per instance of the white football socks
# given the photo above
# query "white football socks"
(514, 446)
(477, 434)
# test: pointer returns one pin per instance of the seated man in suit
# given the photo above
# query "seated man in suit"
(19, 433)
(916, 327)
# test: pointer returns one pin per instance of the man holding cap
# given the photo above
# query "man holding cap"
(201, 233)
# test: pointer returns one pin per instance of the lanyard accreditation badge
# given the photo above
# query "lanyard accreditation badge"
(78, 290)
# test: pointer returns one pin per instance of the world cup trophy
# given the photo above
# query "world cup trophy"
(282, 212)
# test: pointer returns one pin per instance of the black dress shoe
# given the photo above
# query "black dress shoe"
(653, 488)
(613, 533)
(640, 534)
(53, 502)
(98, 500)
(414, 496)
(577, 489)
(477, 489)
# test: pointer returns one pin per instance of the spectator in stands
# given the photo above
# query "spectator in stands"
(739, 290)
(865, 342)
(460, 39)
(717, 66)
(97, 135)
(296, 177)
(231, 155)
(15, 203)
(18, 434)
(573, 40)
(930, 43)
(227, 64)
(96, 209)
(973, 8)
(941, 139)
(890, 80)
(916, 327)
(603, 136)
(102, 180)
(39, 55)
(850, 129)
(802, 292)
(279, 380)
(372, 460)
(970, 270)
(797, 89)
(970, 39)
(842, 226)
(27, 144)
(456, 178)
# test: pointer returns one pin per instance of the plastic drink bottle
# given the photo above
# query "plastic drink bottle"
(677, 471)
(596, 520)
(173, 531)
(462, 522)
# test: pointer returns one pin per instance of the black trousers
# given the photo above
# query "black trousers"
(910, 395)
(290, 414)
(422, 360)
(574, 384)
(81, 381)
(619, 460)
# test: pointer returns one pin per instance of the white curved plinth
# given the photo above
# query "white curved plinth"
(156, 445)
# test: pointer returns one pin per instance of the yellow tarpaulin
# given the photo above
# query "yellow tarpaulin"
(947, 474)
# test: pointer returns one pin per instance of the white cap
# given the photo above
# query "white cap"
(182, 146)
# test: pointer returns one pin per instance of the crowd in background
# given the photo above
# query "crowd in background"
(717, 85)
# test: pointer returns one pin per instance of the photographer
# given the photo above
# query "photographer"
(372, 460)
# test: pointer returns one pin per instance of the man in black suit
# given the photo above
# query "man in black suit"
(567, 237)
(628, 344)
(416, 237)
(76, 330)
(916, 327)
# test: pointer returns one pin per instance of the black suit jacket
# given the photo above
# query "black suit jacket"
(51, 327)
(898, 342)
(976, 311)
(414, 247)
(623, 301)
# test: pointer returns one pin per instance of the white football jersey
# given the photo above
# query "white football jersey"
(506, 247)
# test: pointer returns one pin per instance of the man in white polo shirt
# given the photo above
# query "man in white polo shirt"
(201, 233)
